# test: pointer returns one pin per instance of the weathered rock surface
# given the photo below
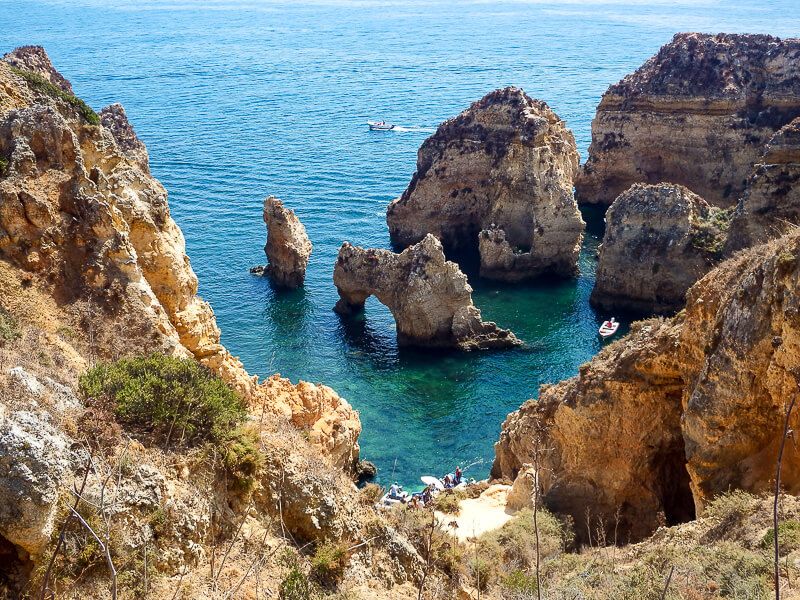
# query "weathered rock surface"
(34, 469)
(659, 240)
(698, 114)
(80, 212)
(35, 60)
(771, 204)
(505, 164)
(428, 296)
(114, 118)
(288, 247)
(681, 410)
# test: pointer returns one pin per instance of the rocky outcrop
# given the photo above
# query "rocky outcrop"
(680, 410)
(114, 119)
(659, 240)
(288, 247)
(80, 213)
(698, 114)
(771, 204)
(505, 165)
(428, 296)
(34, 59)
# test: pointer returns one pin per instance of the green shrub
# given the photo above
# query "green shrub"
(328, 562)
(709, 234)
(242, 457)
(295, 585)
(177, 400)
(370, 494)
(40, 84)
(447, 502)
(518, 582)
(9, 328)
(3, 166)
(788, 538)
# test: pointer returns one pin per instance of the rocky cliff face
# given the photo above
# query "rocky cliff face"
(80, 212)
(659, 240)
(506, 164)
(697, 114)
(428, 296)
(288, 247)
(678, 411)
(771, 204)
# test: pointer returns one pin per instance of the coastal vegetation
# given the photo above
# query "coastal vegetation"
(42, 85)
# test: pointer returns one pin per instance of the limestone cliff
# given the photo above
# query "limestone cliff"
(680, 410)
(698, 114)
(428, 296)
(80, 212)
(771, 204)
(506, 164)
(288, 247)
(659, 240)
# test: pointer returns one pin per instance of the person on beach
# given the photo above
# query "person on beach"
(458, 475)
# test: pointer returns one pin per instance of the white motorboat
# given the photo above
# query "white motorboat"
(608, 328)
(380, 126)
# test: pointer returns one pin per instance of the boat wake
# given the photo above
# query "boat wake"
(413, 129)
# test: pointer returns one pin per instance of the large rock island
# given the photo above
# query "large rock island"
(503, 170)
(428, 296)
(659, 240)
(698, 114)
(288, 247)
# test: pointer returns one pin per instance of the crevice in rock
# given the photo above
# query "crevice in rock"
(675, 493)
(15, 569)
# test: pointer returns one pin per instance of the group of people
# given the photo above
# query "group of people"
(420, 499)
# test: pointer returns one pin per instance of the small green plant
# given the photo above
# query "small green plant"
(9, 328)
(447, 502)
(242, 457)
(328, 562)
(40, 84)
(3, 166)
(709, 233)
(176, 400)
(789, 536)
(519, 583)
(295, 585)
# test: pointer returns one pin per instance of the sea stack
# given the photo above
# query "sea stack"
(659, 240)
(428, 296)
(288, 247)
(698, 114)
(771, 204)
(504, 167)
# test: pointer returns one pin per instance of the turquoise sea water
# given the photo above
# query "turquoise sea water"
(240, 99)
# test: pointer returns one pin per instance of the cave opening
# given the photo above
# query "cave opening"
(15, 569)
(673, 484)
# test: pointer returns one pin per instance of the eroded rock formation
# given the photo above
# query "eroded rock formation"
(34, 59)
(288, 247)
(771, 204)
(659, 240)
(698, 114)
(428, 296)
(506, 165)
(80, 211)
(680, 410)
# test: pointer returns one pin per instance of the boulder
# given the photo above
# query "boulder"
(288, 247)
(659, 240)
(115, 120)
(771, 204)
(428, 296)
(698, 114)
(505, 164)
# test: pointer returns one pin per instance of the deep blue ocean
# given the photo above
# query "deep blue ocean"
(240, 99)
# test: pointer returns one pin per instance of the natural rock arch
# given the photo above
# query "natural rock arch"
(428, 296)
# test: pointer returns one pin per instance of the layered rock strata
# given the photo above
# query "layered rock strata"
(677, 412)
(428, 296)
(80, 211)
(698, 114)
(288, 247)
(771, 204)
(659, 240)
(505, 165)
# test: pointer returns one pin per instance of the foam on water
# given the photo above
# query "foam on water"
(238, 100)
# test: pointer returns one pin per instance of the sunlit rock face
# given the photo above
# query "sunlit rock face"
(502, 171)
(428, 296)
(698, 114)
